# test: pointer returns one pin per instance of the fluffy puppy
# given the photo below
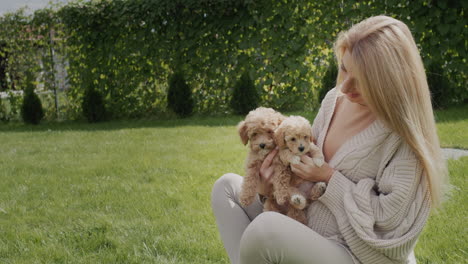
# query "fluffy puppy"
(294, 139)
(258, 129)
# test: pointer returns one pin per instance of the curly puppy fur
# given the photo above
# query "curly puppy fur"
(258, 129)
(294, 138)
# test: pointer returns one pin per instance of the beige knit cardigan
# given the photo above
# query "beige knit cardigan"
(377, 201)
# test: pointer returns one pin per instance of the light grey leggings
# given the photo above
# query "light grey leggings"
(253, 237)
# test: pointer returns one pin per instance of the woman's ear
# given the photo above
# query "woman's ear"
(279, 136)
(242, 129)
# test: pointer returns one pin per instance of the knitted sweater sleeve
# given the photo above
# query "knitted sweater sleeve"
(381, 218)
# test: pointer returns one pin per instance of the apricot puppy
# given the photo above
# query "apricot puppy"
(258, 129)
(294, 138)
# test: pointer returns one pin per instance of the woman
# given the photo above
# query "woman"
(383, 164)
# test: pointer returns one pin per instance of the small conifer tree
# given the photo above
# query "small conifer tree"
(179, 96)
(31, 109)
(329, 80)
(93, 106)
(3, 112)
(244, 96)
(439, 86)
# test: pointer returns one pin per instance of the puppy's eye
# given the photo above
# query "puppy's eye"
(254, 134)
(306, 137)
(293, 139)
(270, 132)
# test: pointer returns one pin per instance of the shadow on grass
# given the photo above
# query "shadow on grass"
(197, 120)
(452, 114)
(230, 120)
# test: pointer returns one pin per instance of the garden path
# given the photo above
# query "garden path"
(450, 153)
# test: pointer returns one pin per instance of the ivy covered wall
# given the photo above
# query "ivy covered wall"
(128, 49)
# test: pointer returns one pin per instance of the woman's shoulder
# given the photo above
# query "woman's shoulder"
(330, 96)
(325, 110)
(328, 103)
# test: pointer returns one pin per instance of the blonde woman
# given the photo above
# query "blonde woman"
(383, 164)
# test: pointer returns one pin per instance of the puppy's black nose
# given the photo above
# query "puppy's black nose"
(301, 148)
(262, 145)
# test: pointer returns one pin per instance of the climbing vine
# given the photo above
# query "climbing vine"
(128, 49)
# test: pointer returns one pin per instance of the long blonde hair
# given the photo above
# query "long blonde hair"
(391, 78)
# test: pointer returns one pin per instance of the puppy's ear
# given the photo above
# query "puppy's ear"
(312, 137)
(279, 136)
(280, 119)
(242, 129)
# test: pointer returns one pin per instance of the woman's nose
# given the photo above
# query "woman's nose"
(346, 86)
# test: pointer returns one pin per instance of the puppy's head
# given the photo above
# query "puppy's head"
(258, 128)
(295, 133)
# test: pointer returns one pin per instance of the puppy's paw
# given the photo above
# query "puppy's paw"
(318, 190)
(298, 201)
(281, 200)
(318, 162)
(322, 186)
(246, 200)
(295, 160)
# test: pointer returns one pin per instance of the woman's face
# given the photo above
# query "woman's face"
(349, 86)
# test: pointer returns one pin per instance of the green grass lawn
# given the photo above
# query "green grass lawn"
(139, 191)
(452, 126)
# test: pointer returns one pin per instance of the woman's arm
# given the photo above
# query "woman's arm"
(381, 216)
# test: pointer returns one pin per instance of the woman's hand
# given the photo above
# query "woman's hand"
(307, 170)
(266, 171)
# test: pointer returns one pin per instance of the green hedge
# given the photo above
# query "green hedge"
(128, 49)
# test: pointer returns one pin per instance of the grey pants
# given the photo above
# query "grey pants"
(253, 237)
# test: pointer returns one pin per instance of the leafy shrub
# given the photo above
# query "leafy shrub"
(286, 63)
(179, 96)
(244, 96)
(10, 107)
(439, 86)
(3, 111)
(329, 80)
(31, 109)
(93, 106)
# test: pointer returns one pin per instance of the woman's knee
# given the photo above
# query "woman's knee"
(261, 234)
(224, 187)
(276, 238)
